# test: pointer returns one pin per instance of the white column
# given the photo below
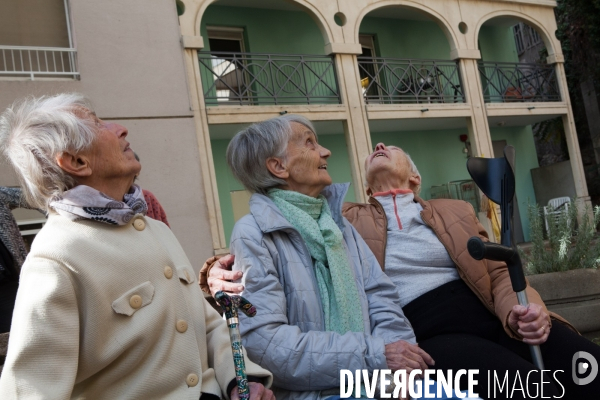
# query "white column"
(207, 167)
(477, 125)
(583, 199)
(356, 124)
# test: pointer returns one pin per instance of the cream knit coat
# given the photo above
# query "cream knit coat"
(114, 312)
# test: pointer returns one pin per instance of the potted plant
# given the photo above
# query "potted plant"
(563, 267)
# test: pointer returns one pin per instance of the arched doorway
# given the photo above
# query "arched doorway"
(406, 58)
(513, 62)
(262, 53)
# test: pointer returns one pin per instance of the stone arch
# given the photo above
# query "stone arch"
(538, 26)
(435, 16)
(197, 8)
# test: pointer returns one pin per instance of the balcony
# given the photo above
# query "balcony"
(518, 82)
(267, 79)
(26, 61)
(410, 81)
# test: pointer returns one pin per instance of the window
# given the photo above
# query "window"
(526, 37)
(535, 36)
(367, 68)
(227, 41)
(35, 39)
(517, 29)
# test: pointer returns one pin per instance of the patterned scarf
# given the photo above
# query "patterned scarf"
(84, 202)
(339, 295)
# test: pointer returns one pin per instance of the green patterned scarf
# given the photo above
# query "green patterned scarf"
(339, 295)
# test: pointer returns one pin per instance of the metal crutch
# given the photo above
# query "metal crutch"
(230, 306)
(496, 179)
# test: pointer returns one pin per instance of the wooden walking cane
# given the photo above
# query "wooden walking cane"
(230, 305)
(496, 179)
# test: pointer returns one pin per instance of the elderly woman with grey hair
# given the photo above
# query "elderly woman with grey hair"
(107, 306)
(323, 302)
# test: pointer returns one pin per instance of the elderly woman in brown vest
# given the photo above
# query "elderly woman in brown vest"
(463, 311)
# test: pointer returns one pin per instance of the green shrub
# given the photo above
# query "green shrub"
(568, 246)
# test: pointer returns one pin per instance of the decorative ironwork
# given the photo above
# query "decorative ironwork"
(38, 61)
(518, 82)
(263, 79)
(394, 81)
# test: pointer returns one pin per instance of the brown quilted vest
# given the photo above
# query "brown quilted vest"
(453, 222)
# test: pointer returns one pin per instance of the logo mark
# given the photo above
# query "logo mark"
(581, 368)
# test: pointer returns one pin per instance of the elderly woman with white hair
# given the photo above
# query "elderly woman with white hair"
(324, 303)
(107, 305)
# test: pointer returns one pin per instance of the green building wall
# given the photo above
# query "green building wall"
(406, 39)
(295, 32)
(268, 31)
(497, 44)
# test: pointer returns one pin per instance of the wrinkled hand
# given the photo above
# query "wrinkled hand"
(257, 392)
(220, 275)
(403, 355)
(531, 322)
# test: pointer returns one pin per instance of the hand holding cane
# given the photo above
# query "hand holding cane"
(230, 305)
(495, 177)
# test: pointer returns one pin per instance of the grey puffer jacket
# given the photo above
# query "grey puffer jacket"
(287, 336)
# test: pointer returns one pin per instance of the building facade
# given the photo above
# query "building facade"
(439, 78)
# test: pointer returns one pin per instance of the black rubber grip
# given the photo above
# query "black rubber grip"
(478, 249)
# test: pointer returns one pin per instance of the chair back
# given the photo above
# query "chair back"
(558, 202)
(555, 208)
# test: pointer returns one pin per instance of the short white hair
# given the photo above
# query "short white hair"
(249, 150)
(34, 131)
(414, 170)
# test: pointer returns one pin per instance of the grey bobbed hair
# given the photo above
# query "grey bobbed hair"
(33, 132)
(249, 150)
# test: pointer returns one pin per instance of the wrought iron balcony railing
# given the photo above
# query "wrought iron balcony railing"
(267, 79)
(38, 61)
(401, 81)
(518, 82)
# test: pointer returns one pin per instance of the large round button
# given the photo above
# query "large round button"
(192, 380)
(168, 272)
(139, 224)
(181, 326)
(135, 301)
